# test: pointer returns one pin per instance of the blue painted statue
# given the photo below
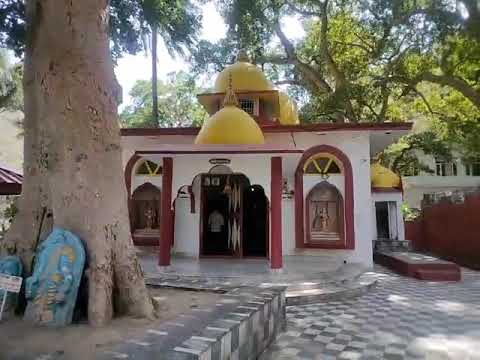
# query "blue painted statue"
(52, 289)
(10, 265)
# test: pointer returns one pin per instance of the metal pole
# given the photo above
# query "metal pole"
(3, 303)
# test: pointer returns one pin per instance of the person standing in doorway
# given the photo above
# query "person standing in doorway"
(216, 222)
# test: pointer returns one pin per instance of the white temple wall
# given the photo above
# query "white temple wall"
(356, 146)
(186, 229)
(288, 226)
(256, 167)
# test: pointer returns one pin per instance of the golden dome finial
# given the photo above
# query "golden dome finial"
(230, 97)
(242, 56)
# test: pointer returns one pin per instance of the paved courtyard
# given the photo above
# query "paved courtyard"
(402, 318)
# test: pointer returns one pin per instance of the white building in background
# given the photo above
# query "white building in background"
(448, 177)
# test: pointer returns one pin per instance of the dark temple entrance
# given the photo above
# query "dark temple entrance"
(234, 218)
(381, 213)
(215, 217)
(255, 222)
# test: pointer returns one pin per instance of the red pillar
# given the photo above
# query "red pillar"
(166, 231)
(299, 234)
(276, 254)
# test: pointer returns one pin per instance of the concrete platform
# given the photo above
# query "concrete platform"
(309, 279)
(419, 266)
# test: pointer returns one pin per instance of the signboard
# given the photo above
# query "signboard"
(219, 161)
(10, 283)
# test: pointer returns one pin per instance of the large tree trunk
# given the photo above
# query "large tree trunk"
(72, 150)
(34, 218)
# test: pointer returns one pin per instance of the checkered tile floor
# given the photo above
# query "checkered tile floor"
(402, 318)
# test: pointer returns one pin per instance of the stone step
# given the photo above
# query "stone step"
(324, 236)
(347, 290)
(392, 245)
(438, 275)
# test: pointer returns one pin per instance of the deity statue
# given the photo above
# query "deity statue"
(149, 217)
(52, 289)
(324, 219)
(10, 265)
(321, 219)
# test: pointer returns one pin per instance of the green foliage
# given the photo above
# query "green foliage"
(11, 90)
(177, 21)
(177, 104)
(402, 157)
(366, 64)
(409, 213)
(9, 213)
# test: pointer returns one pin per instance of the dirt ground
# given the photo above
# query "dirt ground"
(79, 341)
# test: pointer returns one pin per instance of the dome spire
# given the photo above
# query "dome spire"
(230, 97)
(242, 56)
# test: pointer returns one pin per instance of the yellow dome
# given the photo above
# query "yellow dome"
(245, 77)
(288, 110)
(230, 125)
(382, 177)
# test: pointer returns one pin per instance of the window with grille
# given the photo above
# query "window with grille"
(150, 168)
(472, 168)
(445, 168)
(248, 105)
(322, 165)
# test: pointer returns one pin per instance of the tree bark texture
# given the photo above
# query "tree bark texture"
(33, 221)
(73, 167)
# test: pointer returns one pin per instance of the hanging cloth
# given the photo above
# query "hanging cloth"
(229, 233)
(234, 231)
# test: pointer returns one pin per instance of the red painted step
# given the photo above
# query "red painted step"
(419, 266)
(438, 275)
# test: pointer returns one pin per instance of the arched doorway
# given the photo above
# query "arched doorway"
(255, 222)
(221, 218)
(146, 211)
(324, 214)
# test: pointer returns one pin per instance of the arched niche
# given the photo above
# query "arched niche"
(324, 215)
(322, 154)
(145, 214)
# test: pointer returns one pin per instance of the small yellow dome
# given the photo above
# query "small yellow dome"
(245, 77)
(230, 125)
(381, 177)
(288, 110)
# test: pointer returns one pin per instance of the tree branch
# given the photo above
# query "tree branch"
(341, 83)
(289, 82)
(307, 71)
(454, 82)
(363, 47)
(302, 12)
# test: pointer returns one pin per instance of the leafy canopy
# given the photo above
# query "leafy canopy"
(11, 91)
(359, 58)
(177, 21)
(177, 104)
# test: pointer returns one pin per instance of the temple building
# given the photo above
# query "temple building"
(255, 182)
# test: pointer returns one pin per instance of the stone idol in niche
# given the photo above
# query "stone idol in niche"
(52, 289)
